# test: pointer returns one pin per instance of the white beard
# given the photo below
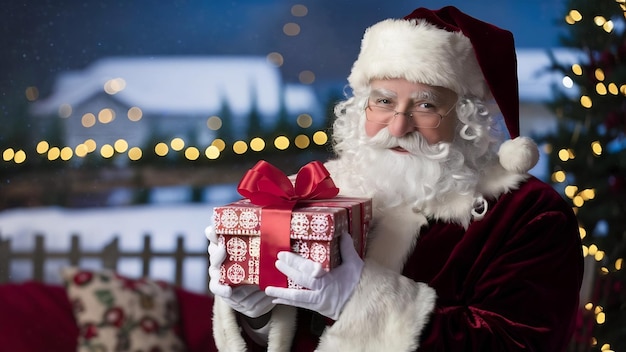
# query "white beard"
(427, 173)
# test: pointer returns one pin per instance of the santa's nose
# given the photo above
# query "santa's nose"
(401, 125)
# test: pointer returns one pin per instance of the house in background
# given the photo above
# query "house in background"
(140, 99)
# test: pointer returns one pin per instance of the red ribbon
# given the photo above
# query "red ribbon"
(267, 186)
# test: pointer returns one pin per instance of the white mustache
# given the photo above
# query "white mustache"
(414, 143)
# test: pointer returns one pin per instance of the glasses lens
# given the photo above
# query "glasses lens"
(420, 119)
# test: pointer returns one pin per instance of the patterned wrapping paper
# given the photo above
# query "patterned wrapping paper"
(314, 231)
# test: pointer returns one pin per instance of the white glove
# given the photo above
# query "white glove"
(329, 291)
(246, 299)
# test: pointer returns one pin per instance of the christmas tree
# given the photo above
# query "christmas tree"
(587, 157)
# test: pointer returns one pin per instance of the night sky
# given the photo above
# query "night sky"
(41, 38)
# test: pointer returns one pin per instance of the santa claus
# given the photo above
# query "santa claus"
(467, 252)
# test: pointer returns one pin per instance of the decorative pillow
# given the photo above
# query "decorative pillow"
(115, 313)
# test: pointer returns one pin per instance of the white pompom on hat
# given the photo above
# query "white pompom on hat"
(448, 48)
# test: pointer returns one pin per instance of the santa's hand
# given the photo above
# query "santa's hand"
(328, 291)
(247, 299)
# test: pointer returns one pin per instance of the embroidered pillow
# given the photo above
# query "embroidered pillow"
(116, 313)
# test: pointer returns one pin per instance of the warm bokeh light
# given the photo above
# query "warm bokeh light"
(601, 88)
(106, 115)
(585, 101)
(302, 141)
(577, 69)
(281, 142)
(161, 149)
(91, 145)
(32, 93)
(107, 151)
(306, 77)
(240, 147)
(299, 10)
(114, 86)
(19, 157)
(134, 114)
(177, 144)
(192, 153)
(320, 138)
(8, 154)
(575, 15)
(88, 120)
(257, 144)
(212, 152)
(42, 147)
(570, 191)
(304, 120)
(219, 144)
(120, 146)
(135, 153)
(81, 150)
(291, 29)
(275, 59)
(214, 123)
(66, 153)
(596, 148)
(54, 153)
(599, 74)
(558, 176)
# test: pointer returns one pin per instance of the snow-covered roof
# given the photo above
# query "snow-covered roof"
(181, 85)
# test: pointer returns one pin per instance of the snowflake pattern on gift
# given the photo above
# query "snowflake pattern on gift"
(248, 220)
(236, 249)
(229, 218)
(318, 253)
(319, 223)
(299, 224)
(300, 247)
(236, 273)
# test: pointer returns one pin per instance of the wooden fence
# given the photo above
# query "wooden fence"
(109, 256)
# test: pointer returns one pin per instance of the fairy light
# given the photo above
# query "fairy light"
(212, 152)
(161, 149)
(135, 153)
(192, 153)
(558, 176)
(596, 148)
(585, 101)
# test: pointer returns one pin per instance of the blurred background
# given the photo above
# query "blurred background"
(124, 119)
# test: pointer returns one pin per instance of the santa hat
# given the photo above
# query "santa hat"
(450, 49)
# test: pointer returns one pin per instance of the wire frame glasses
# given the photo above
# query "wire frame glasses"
(385, 115)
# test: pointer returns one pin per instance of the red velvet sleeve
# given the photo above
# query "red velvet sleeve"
(510, 282)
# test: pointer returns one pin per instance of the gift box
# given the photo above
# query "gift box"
(308, 226)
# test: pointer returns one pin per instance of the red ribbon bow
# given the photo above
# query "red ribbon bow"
(267, 186)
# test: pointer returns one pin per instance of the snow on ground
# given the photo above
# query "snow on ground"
(98, 226)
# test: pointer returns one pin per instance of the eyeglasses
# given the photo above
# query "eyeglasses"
(385, 115)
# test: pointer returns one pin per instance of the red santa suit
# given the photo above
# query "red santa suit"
(507, 282)
(452, 275)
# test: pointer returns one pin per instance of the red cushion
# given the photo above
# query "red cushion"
(196, 312)
(36, 317)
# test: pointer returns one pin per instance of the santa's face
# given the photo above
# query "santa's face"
(403, 107)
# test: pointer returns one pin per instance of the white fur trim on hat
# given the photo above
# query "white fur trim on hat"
(518, 155)
(419, 52)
